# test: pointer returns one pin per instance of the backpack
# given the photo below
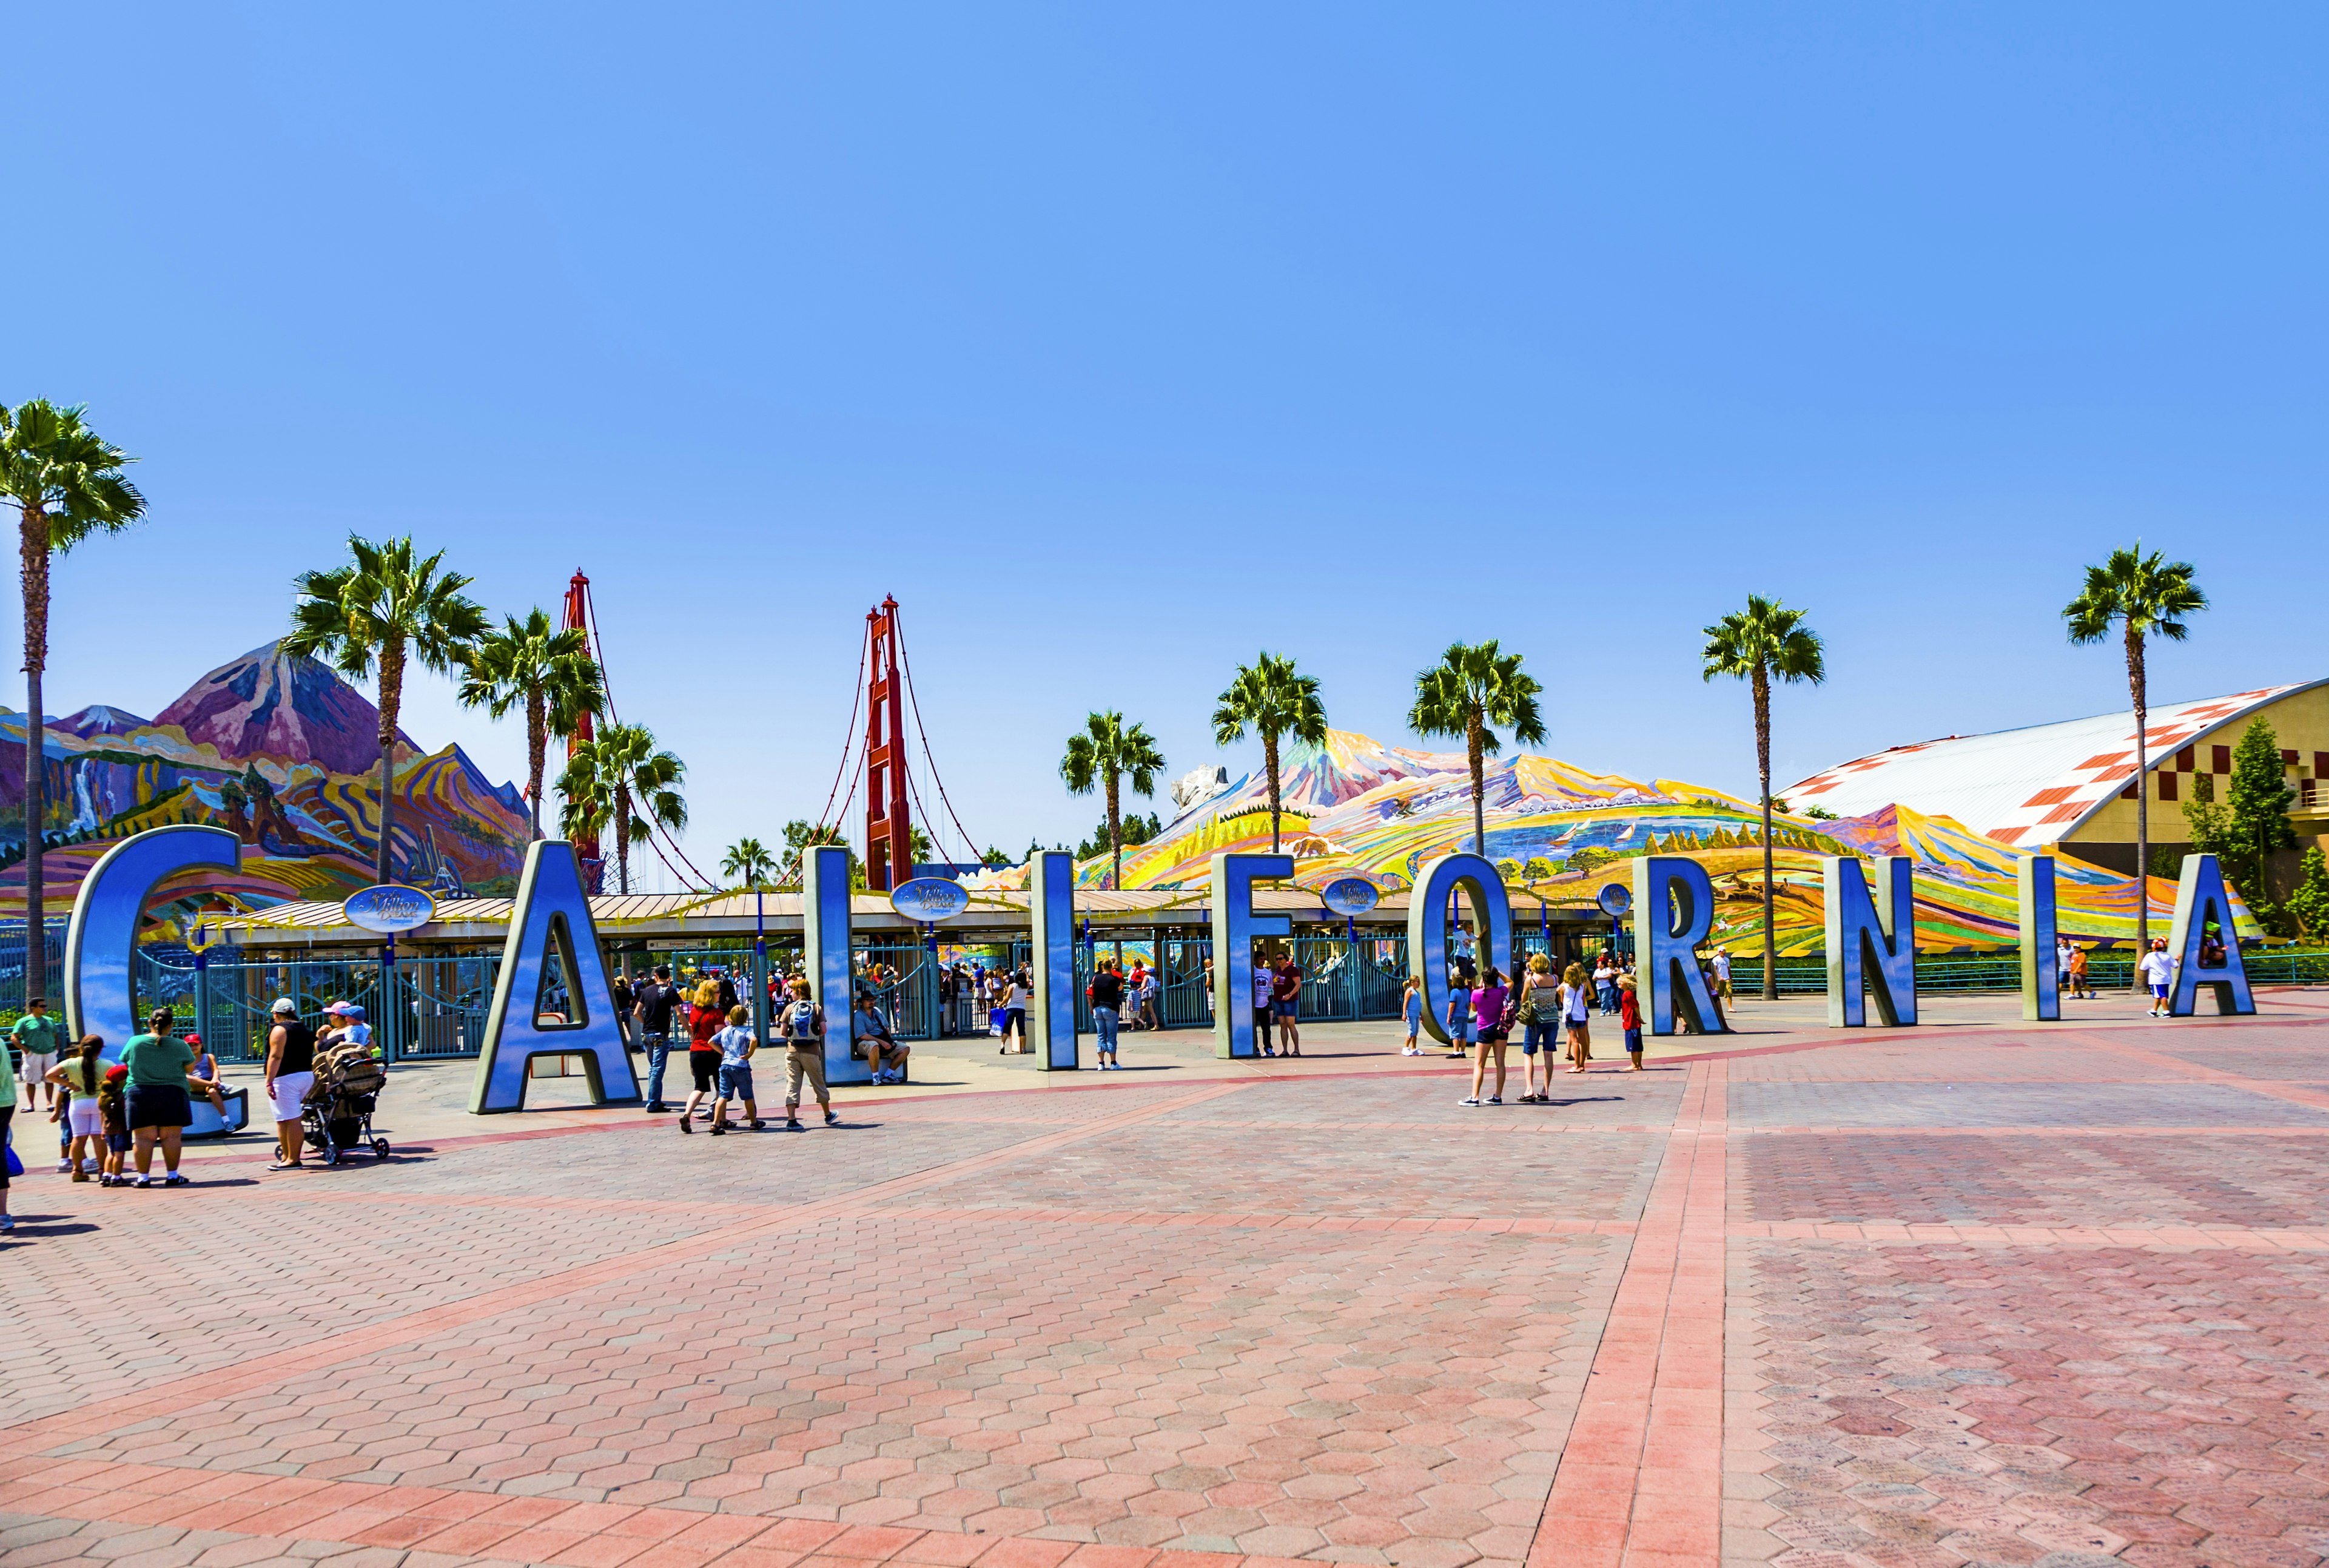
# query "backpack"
(800, 1021)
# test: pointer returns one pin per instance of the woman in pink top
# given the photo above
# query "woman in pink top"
(1488, 1011)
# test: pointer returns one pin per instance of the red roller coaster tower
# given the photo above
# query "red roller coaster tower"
(889, 831)
(578, 619)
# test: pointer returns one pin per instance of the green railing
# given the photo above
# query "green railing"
(2003, 972)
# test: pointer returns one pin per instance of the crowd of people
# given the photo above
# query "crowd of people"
(1484, 1010)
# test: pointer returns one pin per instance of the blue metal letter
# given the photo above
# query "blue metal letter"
(2200, 897)
(1870, 944)
(825, 916)
(1674, 912)
(551, 913)
(2041, 955)
(101, 943)
(1235, 926)
(1427, 927)
(1051, 1010)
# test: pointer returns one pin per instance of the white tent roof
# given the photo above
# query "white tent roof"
(2028, 787)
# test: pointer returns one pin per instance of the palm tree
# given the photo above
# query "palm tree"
(67, 484)
(2145, 595)
(550, 673)
(620, 778)
(384, 606)
(1470, 689)
(1107, 751)
(1761, 643)
(748, 860)
(1271, 699)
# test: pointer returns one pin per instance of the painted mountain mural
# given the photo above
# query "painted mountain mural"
(1355, 806)
(283, 753)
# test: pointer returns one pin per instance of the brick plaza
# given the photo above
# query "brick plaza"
(1974, 1292)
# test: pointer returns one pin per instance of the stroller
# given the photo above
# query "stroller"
(337, 1111)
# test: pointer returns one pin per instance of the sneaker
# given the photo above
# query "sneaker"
(658, 1109)
(1473, 1101)
(792, 1124)
(758, 1124)
(63, 1166)
(686, 1123)
(177, 1179)
(7, 1222)
(1496, 1100)
(143, 1181)
(831, 1119)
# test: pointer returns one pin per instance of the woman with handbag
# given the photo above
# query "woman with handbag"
(1538, 1013)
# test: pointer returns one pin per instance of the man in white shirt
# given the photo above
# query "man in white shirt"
(1264, 983)
(2159, 972)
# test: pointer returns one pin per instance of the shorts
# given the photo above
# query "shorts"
(706, 1066)
(35, 1066)
(1288, 1011)
(1538, 1030)
(83, 1118)
(736, 1080)
(1491, 1036)
(119, 1142)
(2159, 992)
(1578, 1035)
(1634, 1041)
(160, 1105)
(290, 1094)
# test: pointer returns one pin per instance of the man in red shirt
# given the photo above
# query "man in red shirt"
(1285, 1002)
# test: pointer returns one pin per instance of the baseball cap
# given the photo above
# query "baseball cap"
(284, 1005)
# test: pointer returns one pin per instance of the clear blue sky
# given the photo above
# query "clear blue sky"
(1118, 343)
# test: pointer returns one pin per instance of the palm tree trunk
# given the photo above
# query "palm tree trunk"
(2135, 685)
(1270, 759)
(35, 541)
(1763, 769)
(623, 840)
(1479, 787)
(537, 752)
(1115, 836)
(392, 698)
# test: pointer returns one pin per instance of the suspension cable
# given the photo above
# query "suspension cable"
(906, 666)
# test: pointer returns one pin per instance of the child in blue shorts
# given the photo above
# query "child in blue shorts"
(1410, 1007)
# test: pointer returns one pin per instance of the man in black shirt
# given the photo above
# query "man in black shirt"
(652, 1011)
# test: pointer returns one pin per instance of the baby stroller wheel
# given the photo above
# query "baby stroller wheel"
(380, 1148)
(331, 1155)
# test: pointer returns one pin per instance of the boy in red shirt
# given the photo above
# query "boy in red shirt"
(1629, 1019)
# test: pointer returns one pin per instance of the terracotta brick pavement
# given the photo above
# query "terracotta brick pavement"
(1994, 1295)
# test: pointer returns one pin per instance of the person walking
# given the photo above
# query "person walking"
(651, 1010)
(1537, 1010)
(39, 1039)
(1265, 1003)
(1722, 975)
(1488, 1018)
(1410, 1008)
(1014, 1017)
(1106, 994)
(1605, 981)
(160, 1067)
(625, 1000)
(736, 1044)
(802, 1025)
(78, 1077)
(2076, 968)
(1459, 1021)
(1629, 1019)
(704, 1020)
(1576, 1016)
(1285, 1001)
(289, 1072)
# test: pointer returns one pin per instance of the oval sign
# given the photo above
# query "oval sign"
(1350, 895)
(1616, 899)
(930, 898)
(389, 908)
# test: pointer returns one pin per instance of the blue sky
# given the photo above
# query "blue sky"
(1118, 344)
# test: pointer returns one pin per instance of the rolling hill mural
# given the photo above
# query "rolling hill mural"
(280, 751)
(1354, 806)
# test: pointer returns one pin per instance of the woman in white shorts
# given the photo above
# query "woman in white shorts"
(80, 1076)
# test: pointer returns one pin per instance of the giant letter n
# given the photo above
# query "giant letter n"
(1872, 945)
(551, 923)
